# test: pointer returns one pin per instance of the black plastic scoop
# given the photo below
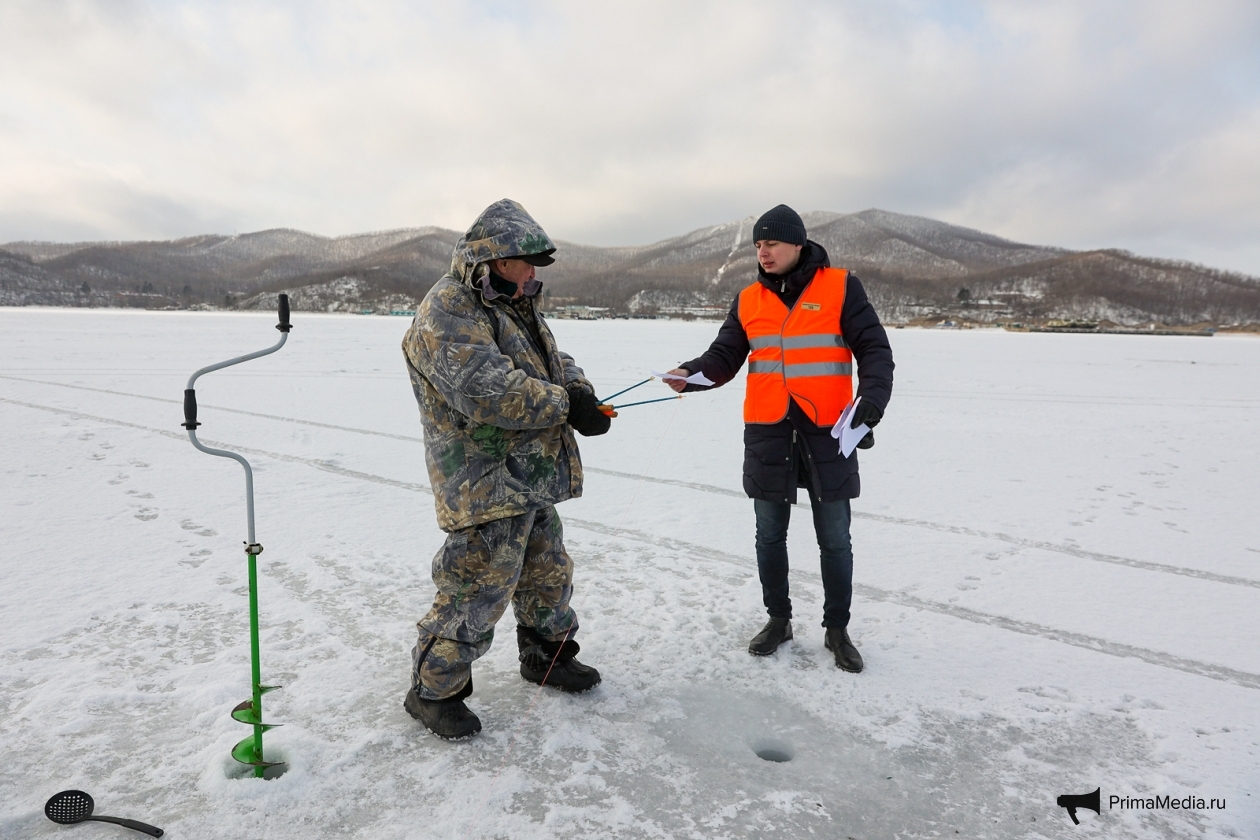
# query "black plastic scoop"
(75, 806)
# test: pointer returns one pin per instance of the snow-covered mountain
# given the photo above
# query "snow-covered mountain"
(913, 267)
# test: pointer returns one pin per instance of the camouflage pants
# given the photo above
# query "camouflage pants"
(478, 570)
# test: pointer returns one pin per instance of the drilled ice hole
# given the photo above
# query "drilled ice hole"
(774, 749)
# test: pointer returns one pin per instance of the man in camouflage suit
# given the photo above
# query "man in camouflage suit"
(499, 403)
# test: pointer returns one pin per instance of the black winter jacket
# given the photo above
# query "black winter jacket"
(780, 457)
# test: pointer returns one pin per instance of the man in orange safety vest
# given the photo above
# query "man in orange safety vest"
(802, 325)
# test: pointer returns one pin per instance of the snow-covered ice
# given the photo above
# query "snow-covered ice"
(1057, 566)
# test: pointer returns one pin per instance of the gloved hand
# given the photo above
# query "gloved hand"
(584, 414)
(866, 413)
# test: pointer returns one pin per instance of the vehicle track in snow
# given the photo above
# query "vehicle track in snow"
(1219, 673)
(962, 530)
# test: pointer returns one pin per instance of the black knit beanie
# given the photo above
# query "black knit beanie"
(782, 224)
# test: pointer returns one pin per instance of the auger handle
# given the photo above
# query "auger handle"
(284, 326)
(152, 831)
(190, 409)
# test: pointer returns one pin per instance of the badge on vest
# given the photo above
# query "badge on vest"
(816, 307)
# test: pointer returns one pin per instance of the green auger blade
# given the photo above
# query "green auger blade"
(263, 689)
(245, 753)
(244, 712)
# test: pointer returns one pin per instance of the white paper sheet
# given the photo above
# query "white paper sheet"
(694, 379)
(849, 438)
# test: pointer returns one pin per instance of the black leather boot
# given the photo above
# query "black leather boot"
(537, 658)
(847, 656)
(447, 718)
(776, 632)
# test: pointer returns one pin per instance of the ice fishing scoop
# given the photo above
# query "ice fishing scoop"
(75, 806)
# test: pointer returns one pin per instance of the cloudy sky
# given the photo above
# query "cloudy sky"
(1100, 123)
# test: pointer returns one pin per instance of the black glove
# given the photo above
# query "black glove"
(584, 414)
(869, 414)
(866, 413)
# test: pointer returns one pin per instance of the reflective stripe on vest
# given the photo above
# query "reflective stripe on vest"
(798, 342)
(797, 354)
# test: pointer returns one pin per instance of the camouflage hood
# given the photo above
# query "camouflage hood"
(502, 231)
(492, 385)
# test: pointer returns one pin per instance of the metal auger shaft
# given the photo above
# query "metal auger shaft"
(250, 750)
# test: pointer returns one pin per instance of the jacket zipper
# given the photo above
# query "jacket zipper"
(815, 485)
(791, 467)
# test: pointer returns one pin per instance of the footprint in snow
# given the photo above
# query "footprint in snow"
(196, 558)
(189, 525)
(1048, 692)
(802, 660)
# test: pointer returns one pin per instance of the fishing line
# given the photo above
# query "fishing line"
(538, 692)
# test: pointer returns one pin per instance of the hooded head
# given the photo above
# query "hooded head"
(503, 230)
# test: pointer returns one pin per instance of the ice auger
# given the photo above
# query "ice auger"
(250, 750)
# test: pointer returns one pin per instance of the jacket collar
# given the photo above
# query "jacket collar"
(490, 284)
(813, 257)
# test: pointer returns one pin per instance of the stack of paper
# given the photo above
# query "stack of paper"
(849, 438)
(694, 379)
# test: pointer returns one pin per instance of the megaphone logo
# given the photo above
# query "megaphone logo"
(1080, 800)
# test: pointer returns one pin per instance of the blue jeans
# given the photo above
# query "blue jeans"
(831, 524)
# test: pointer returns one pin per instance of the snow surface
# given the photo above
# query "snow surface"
(1057, 566)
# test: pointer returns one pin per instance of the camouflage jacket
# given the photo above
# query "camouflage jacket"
(493, 406)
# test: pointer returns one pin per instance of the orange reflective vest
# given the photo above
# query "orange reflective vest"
(798, 353)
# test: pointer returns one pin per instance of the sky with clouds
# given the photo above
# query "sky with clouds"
(1100, 123)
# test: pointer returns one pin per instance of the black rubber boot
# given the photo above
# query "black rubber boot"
(776, 632)
(847, 656)
(447, 718)
(538, 655)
